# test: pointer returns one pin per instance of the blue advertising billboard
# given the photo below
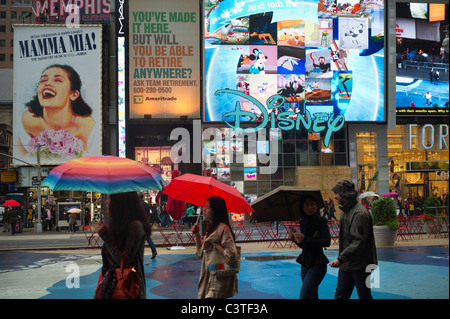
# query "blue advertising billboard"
(294, 61)
(422, 61)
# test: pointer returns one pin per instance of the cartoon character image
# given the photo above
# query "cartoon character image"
(343, 78)
(290, 63)
(354, 33)
(290, 92)
(322, 65)
(262, 89)
(258, 66)
(236, 31)
(330, 6)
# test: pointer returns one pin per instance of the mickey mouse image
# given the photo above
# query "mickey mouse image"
(354, 33)
(258, 66)
(322, 65)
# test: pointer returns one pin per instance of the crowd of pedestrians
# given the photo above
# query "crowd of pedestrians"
(130, 221)
(356, 243)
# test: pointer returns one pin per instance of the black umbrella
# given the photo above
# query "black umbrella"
(281, 204)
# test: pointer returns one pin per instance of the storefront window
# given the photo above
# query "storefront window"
(419, 160)
(366, 154)
(158, 157)
(292, 149)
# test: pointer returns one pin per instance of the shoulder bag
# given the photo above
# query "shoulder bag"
(123, 282)
(217, 265)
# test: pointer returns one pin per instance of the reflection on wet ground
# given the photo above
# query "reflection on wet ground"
(268, 258)
(403, 273)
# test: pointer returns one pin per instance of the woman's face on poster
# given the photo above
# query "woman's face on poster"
(54, 89)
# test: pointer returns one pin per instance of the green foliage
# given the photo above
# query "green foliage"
(430, 202)
(384, 213)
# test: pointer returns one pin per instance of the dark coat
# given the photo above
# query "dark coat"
(14, 215)
(133, 252)
(356, 240)
(317, 236)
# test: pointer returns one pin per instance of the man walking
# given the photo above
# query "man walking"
(48, 219)
(428, 98)
(356, 243)
(436, 77)
(13, 217)
(149, 240)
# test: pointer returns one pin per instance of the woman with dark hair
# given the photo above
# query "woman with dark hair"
(58, 105)
(220, 237)
(127, 228)
(313, 236)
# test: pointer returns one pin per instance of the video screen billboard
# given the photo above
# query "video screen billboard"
(291, 57)
(422, 62)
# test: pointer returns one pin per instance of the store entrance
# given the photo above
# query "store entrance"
(415, 190)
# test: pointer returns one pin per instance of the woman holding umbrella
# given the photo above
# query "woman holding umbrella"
(125, 233)
(218, 237)
(72, 222)
(314, 235)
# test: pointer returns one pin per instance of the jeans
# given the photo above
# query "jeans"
(165, 220)
(151, 244)
(311, 279)
(13, 228)
(48, 224)
(347, 280)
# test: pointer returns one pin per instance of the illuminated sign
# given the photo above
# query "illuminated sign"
(427, 136)
(57, 93)
(318, 58)
(282, 120)
(441, 175)
(421, 67)
(164, 59)
(427, 166)
(57, 11)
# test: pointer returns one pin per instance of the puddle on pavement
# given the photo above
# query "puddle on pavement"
(268, 258)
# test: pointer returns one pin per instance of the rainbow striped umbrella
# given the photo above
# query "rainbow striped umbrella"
(103, 174)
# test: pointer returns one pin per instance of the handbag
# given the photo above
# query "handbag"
(217, 265)
(126, 282)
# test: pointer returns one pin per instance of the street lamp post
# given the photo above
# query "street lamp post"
(38, 157)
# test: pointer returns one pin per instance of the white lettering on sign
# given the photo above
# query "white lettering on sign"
(441, 176)
(428, 136)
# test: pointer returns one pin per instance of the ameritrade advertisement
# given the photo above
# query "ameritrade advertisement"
(164, 59)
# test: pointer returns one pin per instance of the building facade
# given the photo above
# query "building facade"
(260, 97)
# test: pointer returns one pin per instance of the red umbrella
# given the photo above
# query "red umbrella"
(174, 207)
(11, 203)
(195, 189)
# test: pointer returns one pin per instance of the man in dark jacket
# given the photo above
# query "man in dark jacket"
(149, 240)
(356, 244)
(14, 216)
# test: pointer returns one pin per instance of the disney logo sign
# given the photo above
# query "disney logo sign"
(283, 120)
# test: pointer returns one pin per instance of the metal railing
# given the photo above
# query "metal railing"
(437, 208)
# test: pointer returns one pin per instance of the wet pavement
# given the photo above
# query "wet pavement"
(405, 272)
(57, 265)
